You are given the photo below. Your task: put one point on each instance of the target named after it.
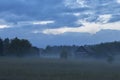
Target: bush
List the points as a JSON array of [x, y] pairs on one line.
[[110, 59], [64, 54]]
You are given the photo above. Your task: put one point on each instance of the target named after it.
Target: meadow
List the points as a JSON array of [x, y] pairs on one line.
[[57, 69]]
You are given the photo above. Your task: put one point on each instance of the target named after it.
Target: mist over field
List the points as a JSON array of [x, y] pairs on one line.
[[59, 40], [20, 60], [57, 69]]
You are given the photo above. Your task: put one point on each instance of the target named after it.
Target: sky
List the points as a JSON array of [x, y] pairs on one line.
[[61, 22]]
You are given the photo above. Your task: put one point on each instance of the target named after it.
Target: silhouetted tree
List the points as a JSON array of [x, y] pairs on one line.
[[20, 47], [6, 44], [34, 51], [17, 47], [1, 47], [110, 59]]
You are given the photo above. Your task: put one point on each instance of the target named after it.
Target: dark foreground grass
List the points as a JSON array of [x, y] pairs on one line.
[[53, 69]]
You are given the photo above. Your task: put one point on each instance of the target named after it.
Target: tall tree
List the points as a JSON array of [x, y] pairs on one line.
[[1, 47], [20, 47], [6, 44]]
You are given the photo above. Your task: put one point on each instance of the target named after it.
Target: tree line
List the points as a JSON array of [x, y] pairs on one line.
[[17, 47], [22, 47], [103, 50]]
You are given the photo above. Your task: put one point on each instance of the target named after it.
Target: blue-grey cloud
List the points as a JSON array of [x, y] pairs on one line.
[[19, 16]]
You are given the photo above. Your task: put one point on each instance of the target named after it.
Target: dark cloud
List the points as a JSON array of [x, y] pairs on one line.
[[36, 9], [16, 11], [22, 10]]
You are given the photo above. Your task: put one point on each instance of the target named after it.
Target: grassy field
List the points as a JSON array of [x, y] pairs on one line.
[[55, 69]]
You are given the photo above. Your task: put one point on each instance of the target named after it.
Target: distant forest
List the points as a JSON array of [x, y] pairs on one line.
[[103, 50], [22, 47]]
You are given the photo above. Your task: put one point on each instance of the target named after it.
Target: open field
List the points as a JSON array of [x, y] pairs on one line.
[[55, 69]]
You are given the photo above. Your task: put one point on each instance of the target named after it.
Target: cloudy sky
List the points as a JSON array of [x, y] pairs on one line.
[[61, 22]]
